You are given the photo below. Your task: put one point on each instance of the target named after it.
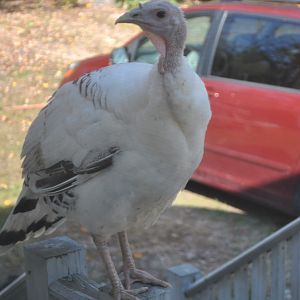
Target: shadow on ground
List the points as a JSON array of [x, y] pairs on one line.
[[250, 208]]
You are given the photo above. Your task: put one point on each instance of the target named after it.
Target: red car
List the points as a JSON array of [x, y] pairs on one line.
[[248, 55]]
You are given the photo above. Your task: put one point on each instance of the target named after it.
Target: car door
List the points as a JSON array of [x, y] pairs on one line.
[[253, 82]]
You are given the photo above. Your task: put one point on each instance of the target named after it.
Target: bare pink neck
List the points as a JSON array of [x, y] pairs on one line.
[[174, 45], [170, 62], [170, 49]]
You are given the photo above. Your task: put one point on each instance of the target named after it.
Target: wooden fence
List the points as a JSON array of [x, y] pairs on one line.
[[56, 270], [270, 270]]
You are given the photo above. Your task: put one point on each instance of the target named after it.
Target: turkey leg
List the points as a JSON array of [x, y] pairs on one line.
[[118, 291], [131, 273]]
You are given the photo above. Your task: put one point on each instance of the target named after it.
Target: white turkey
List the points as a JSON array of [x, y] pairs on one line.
[[112, 149]]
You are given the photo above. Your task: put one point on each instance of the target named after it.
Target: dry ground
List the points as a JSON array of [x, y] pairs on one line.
[[36, 46]]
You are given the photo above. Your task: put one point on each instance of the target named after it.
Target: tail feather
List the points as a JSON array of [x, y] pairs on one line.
[[30, 218]]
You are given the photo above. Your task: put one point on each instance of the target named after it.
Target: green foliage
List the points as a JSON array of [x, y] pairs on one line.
[[128, 4], [67, 3]]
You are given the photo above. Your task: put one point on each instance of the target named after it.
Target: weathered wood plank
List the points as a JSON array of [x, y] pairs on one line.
[[259, 278], [81, 284], [49, 260], [56, 271], [154, 292], [207, 294], [278, 280], [15, 290], [232, 266], [181, 277], [79, 287], [295, 272], [59, 291], [224, 289], [241, 288]]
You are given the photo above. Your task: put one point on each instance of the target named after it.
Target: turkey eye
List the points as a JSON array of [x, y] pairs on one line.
[[161, 14]]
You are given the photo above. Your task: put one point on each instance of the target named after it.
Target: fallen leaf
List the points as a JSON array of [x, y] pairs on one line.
[[3, 186], [138, 254], [7, 202], [3, 118]]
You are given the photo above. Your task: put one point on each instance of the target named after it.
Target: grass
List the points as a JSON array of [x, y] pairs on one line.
[[14, 125], [189, 199], [21, 88], [8, 194]]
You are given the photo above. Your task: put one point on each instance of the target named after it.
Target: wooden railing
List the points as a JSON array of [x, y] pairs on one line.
[[268, 271], [55, 269]]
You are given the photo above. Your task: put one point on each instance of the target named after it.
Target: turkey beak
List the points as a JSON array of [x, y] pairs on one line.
[[133, 16]]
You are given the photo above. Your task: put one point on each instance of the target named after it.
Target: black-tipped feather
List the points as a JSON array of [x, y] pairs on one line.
[[12, 237], [64, 175], [25, 205]]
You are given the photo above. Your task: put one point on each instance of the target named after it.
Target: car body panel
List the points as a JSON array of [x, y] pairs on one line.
[[86, 66], [290, 11], [248, 145]]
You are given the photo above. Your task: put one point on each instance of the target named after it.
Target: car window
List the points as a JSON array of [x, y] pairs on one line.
[[146, 52], [259, 49], [197, 29]]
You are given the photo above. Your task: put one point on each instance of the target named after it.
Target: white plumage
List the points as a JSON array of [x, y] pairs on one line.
[[111, 150]]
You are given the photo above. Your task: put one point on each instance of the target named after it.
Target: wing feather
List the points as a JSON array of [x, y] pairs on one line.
[[90, 114], [64, 175]]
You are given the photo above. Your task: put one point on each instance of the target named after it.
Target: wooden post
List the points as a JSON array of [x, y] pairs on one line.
[[49, 260], [56, 270], [180, 278]]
